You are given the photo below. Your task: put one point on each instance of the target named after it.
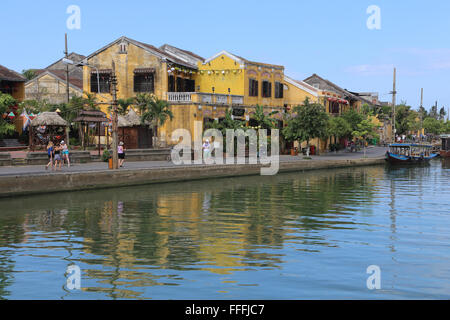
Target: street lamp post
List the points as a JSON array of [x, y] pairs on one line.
[[115, 157]]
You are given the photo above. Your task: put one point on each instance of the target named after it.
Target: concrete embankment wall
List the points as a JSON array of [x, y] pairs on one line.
[[14, 185]]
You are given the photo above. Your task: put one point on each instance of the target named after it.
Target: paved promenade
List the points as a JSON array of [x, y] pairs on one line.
[[371, 153]]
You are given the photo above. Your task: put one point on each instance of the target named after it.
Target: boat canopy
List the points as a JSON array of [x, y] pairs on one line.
[[408, 145]]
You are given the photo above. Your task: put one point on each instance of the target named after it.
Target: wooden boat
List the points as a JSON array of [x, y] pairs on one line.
[[445, 148], [409, 153]]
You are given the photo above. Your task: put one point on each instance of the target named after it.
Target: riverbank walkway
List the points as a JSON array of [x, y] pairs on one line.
[[371, 153]]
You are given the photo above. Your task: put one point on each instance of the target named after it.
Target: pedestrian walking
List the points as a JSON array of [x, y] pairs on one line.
[[65, 153], [206, 149], [50, 153], [121, 153], [58, 159]]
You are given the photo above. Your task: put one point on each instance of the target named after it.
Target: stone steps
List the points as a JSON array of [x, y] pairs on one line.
[[5, 159], [19, 162], [10, 143], [42, 158]]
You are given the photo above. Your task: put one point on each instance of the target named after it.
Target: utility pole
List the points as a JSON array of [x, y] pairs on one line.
[[421, 107], [394, 92], [66, 52], [115, 157]]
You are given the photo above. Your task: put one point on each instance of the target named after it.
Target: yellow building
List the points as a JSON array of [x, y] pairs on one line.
[[12, 83], [296, 91], [228, 74], [166, 72], [196, 89]]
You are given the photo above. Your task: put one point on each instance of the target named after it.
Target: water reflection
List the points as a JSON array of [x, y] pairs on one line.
[[128, 240]]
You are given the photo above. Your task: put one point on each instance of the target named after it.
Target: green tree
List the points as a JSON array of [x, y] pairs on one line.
[[353, 118], [6, 101], [90, 101], [434, 112], [442, 113], [422, 112], [29, 74], [338, 128], [413, 121], [154, 111], [122, 105], [310, 122], [264, 121], [402, 114], [432, 125], [366, 130], [34, 106], [446, 127]]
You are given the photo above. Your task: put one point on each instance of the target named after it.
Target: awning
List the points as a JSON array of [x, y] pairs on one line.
[[101, 71], [144, 70]]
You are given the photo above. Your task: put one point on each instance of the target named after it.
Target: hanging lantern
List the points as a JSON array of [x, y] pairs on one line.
[[4, 115], [11, 115]]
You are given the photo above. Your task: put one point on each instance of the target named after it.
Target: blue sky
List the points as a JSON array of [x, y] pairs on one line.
[[329, 38]]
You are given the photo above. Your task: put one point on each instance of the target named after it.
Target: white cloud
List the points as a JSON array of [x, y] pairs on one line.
[[371, 69]]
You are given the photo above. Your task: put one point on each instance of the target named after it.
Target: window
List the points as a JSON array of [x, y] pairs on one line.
[[105, 82], [238, 112], [266, 89], [334, 107], [253, 88], [278, 90], [144, 82], [123, 48], [180, 85], [171, 84], [189, 85]]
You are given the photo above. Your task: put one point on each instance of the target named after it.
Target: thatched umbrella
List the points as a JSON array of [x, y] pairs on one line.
[[133, 118], [49, 119], [122, 122], [46, 127]]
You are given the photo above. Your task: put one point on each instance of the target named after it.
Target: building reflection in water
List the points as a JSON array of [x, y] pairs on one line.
[[128, 239]]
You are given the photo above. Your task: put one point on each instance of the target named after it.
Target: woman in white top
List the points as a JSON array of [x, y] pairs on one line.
[[121, 153], [206, 149]]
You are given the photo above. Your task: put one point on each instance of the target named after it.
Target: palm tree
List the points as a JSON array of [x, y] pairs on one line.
[[153, 111], [90, 101], [141, 102], [122, 105], [264, 121]]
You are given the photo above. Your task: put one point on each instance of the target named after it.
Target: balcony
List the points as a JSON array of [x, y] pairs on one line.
[[204, 98]]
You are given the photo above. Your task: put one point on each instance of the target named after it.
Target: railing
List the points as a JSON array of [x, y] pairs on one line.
[[179, 96], [206, 98]]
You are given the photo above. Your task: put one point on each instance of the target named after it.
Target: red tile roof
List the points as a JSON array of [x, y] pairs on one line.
[[11, 75]]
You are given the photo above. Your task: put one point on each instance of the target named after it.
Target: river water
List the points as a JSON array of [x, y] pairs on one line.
[[305, 235]]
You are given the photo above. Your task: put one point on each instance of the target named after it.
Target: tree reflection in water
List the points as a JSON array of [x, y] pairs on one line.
[[128, 239]]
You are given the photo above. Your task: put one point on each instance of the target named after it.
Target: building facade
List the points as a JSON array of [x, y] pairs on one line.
[[12, 83], [50, 84], [197, 90]]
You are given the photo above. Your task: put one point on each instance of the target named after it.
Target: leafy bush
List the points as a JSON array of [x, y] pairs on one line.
[[74, 142], [106, 155]]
